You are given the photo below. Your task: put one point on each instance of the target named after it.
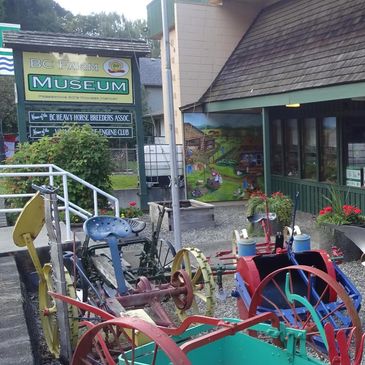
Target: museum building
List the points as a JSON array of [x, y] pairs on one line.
[[300, 66]]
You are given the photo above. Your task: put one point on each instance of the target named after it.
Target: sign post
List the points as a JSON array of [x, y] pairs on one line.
[[168, 99]]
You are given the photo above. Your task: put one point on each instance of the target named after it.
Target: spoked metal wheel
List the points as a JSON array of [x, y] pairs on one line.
[[165, 254], [195, 264], [48, 311], [328, 303], [116, 341]]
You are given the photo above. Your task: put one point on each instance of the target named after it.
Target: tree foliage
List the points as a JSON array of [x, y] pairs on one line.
[[7, 104], [41, 15], [78, 150], [49, 16]]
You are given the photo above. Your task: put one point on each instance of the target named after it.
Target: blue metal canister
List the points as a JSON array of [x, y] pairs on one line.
[[246, 247], [302, 242]]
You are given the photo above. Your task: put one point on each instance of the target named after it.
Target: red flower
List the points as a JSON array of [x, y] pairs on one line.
[[357, 211], [321, 212], [259, 194], [277, 193], [132, 204], [328, 209]]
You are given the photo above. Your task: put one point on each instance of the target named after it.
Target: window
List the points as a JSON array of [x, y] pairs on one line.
[[328, 150], [277, 159], [354, 151], [291, 147], [309, 143]]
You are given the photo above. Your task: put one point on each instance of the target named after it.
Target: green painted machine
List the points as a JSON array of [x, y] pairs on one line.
[[230, 349]]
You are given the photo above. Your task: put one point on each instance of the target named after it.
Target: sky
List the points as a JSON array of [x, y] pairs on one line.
[[132, 9]]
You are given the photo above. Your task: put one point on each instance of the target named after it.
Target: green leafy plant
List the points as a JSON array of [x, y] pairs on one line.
[[78, 150], [337, 212], [132, 211], [277, 203]]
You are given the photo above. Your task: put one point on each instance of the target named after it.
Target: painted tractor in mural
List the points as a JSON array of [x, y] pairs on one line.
[[223, 156]]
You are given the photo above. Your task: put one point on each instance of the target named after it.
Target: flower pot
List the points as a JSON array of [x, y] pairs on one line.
[[345, 237]]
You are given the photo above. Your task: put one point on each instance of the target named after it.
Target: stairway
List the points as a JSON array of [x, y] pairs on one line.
[[3, 222]]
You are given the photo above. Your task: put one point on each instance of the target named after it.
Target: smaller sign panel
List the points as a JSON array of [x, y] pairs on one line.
[[57, 117], [6, 54], [6, 62], [39, 131]]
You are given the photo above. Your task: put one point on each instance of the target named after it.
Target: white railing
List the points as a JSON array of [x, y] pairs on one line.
[[68, 207]]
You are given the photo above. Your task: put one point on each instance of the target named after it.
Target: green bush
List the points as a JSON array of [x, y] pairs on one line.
[[337, 212], [277, 203], [78, 150]]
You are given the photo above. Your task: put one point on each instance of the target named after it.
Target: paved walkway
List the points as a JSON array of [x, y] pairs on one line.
[[15, 346], [15, 343], [7, 245]]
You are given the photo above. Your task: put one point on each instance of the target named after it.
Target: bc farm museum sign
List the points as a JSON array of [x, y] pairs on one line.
[[68, 77]]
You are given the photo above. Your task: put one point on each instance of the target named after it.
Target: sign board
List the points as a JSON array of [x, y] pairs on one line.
[[56, 117], [39, 131], [75, 78], [354, 183], [354, 173], [6, 54]]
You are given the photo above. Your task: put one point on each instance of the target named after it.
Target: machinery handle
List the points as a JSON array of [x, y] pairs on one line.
[[45, 189]]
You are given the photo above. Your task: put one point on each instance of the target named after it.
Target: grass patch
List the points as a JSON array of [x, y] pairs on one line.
[[120, 182], [224, 193], [2, 189]]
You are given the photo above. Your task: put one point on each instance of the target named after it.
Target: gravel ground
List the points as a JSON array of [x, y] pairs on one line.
[[218, 237]]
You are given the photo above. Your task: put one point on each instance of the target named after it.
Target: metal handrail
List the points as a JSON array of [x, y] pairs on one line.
[[54, 170]]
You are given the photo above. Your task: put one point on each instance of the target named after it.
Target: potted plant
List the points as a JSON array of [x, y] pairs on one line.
[[277, 203], [132, 211], [341, 223]]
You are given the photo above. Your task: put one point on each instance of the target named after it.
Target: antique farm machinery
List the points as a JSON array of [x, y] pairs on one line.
[[265, 276], [200, 340], [98, 274]]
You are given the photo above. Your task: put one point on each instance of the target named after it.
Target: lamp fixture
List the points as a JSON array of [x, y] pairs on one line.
[[294, 105]]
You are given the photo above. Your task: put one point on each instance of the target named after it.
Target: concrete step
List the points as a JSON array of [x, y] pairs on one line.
[[15, 345], [3, 222]]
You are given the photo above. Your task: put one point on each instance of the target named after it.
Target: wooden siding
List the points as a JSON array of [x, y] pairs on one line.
[[311, 194]]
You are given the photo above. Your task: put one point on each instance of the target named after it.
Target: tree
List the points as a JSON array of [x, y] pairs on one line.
[[7, 105], [110, 25], [41, 15]]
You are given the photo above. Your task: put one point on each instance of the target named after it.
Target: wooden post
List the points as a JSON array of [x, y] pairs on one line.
[[266, 140]]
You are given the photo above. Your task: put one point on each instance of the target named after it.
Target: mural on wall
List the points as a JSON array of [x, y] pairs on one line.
[[223, 155]]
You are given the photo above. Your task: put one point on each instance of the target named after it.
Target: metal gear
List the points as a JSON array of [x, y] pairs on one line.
[[48, 311], [194, 262]]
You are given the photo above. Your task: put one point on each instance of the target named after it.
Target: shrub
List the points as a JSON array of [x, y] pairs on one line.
[[78, 150], [339, 213], [277, 203]]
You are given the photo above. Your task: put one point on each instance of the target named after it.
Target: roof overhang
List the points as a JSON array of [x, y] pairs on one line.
[[73, 43], [316, 95]]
